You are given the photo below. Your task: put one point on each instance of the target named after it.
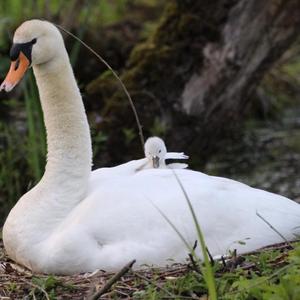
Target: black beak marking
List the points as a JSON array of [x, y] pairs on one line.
[[25, 48], [155, 160], [17, 64]]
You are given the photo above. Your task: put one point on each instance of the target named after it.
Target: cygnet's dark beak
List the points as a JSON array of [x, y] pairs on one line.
[[155, 160]]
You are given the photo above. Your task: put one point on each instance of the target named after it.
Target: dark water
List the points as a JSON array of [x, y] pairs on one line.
[[267, 156]]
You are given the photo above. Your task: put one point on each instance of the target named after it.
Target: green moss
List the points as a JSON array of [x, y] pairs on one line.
[[293, 69], [293, 141]]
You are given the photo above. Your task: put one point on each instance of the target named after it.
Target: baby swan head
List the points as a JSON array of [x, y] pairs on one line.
[[155, 151], [35, 42]]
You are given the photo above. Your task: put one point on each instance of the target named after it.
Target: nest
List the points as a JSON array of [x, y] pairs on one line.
[[16, 282]]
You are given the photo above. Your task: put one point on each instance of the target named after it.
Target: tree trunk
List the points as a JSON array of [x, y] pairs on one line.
[[192, 79]]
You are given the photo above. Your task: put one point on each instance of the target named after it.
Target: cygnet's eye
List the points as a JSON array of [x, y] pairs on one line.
[[159, 151]]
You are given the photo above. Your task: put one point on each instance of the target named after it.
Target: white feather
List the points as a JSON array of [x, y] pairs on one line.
[[176, 155]]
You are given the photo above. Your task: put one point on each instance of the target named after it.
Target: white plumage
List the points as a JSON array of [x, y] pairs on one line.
[[156, 155], [76, 220]]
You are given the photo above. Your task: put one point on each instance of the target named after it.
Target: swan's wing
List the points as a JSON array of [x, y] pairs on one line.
[[142, 164], [226, 209], [101, 175], [176, 155], [124, 217], [177, 166]]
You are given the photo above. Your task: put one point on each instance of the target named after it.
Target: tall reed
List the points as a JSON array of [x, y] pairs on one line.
[[10, 177], [36, 142]]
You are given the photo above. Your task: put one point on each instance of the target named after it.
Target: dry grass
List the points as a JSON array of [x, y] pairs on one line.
[[16, 282]]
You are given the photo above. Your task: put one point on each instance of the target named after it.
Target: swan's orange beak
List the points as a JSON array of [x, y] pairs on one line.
[[16, 72]]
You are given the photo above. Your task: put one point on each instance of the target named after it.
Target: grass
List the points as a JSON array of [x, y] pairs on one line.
[[207, 269], [10, 178], [36, 142], [271, 273]]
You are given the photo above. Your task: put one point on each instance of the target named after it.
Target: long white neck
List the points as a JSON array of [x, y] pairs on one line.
[[68, 138], [39, 212], [68, 167]]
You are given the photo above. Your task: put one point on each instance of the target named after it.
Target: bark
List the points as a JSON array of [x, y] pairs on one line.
[[193, 78]]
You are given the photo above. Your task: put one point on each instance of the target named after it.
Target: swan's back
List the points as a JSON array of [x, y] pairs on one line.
[[121, 220], [226, 209]]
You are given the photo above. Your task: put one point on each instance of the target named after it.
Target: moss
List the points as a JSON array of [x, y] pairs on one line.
[[157, 70], [105, 84], [293, 142]]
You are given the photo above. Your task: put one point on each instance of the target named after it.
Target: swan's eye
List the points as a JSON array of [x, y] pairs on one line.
[[33, 41]]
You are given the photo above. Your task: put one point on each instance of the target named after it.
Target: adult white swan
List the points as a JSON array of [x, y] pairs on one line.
[[74, 221]]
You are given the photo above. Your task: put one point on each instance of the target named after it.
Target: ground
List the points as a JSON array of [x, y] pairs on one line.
[[258, 275]]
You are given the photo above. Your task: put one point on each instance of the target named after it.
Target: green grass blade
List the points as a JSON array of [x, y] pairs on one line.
[[208, 273], [36, 133]]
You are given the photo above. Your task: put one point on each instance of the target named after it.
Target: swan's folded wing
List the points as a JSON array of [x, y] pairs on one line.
[[126, 169], [176, 155], [177, 166], [141, 164]]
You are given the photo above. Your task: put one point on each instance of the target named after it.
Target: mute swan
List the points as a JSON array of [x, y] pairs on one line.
[[72, 221], [156, 152]]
